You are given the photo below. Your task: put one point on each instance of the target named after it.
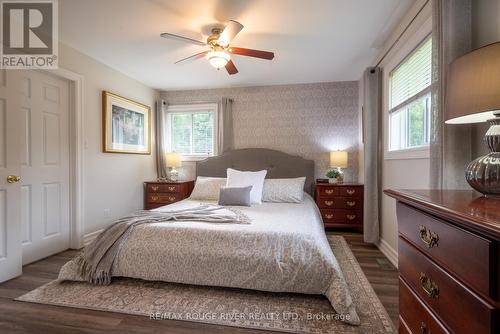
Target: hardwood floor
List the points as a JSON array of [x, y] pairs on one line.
[[20, 317]]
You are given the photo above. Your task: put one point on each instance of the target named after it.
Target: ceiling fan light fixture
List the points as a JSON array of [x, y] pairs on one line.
[[218, 59]]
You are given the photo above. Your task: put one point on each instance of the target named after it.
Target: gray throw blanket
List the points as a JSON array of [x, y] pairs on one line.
[[96, 260]]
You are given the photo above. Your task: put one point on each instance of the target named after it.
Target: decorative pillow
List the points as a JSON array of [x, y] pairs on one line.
[[235, 196], [207, 188], [284, 190], [236, 178]]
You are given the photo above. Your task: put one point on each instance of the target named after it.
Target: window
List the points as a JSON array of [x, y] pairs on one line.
[[190, 130], [410, 100]]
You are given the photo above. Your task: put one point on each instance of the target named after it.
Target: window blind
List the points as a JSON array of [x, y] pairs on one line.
[[412, 77]]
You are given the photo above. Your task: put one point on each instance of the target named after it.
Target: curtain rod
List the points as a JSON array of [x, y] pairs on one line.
[[399, 37]]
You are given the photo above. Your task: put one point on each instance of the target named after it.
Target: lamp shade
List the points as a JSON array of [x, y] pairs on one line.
[[173, 160], [473, 87], [338, 159]]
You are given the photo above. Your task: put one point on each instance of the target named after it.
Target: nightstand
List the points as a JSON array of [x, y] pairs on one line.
[[158, 194], [341, 205]]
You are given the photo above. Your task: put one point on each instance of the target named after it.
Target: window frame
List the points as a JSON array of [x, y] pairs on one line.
[[413, 42], [191, 108]]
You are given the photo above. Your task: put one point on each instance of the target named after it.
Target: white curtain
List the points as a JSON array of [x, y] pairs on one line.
[[161, 168], [450, 147], [372, 107], [225, 128]]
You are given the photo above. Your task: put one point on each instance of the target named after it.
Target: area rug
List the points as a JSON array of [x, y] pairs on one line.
[[295, 313]]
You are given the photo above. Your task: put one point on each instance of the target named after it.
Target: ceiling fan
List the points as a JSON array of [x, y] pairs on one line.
[[219, 54]]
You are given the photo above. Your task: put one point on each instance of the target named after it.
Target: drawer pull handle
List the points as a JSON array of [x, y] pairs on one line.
[[155, 188], [171, 188], [351, 203], [328, 216], [171, 198], [329, 203], [429, 287], [423, 328], [329, 191], [351, 217], [428, 237], [154, 198], [351, 191]]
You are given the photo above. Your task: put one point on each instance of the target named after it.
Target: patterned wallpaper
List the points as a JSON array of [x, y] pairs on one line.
[[308, 120]]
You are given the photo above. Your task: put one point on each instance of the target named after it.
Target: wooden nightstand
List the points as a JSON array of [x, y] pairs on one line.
[[341, 205], [158, 194]]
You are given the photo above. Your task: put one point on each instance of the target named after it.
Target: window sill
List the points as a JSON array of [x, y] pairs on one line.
[[408, 154], [195, 157]]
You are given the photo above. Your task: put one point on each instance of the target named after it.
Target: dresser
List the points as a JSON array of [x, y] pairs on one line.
[[158, 194], [341, 205], [449, 261]]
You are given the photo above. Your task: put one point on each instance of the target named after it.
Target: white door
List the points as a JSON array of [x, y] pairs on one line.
[[44, 160], [10, 205]]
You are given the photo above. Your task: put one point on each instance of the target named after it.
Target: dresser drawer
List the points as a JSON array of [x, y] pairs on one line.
[[452, 302], [327, 191], [340, 216], [415, 314], [164, 198], [340, 203], [460, 251], [163, 188], [351, 191]]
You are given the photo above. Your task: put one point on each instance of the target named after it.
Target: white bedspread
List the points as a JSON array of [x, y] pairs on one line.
[[283, 249]]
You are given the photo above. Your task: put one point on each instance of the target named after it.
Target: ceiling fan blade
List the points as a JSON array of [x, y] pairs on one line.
[[231, 69], [193, 57], [182, 38], [230, 31], [252, 53]]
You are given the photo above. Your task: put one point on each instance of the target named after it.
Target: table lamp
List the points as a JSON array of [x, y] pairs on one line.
[[338, 160], [473, 96], [173, 161]]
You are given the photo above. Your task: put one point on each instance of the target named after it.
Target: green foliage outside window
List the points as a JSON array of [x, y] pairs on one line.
[[192, 133]]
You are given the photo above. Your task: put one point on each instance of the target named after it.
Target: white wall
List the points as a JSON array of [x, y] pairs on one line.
[[111, 181]]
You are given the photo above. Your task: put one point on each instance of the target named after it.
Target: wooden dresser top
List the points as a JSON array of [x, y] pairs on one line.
[[464, 207]]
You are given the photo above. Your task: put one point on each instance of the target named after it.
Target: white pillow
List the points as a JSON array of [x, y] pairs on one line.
[[284, 190], [207, 188], [236, 178]]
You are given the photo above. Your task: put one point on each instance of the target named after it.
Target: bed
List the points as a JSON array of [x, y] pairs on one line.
[[283, 249]]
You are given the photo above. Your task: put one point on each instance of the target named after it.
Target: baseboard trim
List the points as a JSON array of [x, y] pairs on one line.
[[88, 238], [388, 251]]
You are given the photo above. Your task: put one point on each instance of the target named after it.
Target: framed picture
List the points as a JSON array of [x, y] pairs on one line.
[[126, 125]]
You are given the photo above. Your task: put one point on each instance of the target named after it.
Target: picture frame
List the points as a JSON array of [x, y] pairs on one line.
[[126, 125]]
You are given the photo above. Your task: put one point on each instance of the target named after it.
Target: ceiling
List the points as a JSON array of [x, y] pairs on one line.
[[313, 40]]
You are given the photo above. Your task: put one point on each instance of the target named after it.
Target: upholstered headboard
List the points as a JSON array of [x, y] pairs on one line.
[[278, 164]]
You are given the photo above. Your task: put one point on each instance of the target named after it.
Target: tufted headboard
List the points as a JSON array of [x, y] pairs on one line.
[[278, 164]]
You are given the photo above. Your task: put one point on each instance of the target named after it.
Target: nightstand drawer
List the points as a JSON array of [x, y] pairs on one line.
[[327, 191], [162, 198], [328, 203], [340, 203], [351, 191], [340, 216], [163, 188], [158, 194]]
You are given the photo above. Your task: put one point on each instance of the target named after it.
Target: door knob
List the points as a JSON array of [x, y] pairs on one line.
[[13, 178]]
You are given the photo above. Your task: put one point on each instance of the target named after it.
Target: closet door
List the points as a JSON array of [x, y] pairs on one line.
[[10, 186]]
